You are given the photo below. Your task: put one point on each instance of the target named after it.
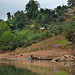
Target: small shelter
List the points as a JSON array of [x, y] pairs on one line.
[[70, 10], [43, 29]]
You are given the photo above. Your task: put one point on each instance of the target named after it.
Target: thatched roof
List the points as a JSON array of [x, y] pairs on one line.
[[70, 10], [42, 28]]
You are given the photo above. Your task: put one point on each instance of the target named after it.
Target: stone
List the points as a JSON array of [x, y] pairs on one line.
[[67, 56]]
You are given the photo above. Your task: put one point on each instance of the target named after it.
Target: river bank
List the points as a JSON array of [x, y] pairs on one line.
[[61, 55]]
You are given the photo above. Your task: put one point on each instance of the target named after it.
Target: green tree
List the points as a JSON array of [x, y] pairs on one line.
[[4, 27], [20, 20], [42, 19], [32, 9], [1, 20], [71, 36], [71, 2], [9, 15], [41, 10], [59, 10], [18, 13], [70, 32], [22, 38], [8, 22], [61, 19], [7, 40], [47, 11], [58, 30]]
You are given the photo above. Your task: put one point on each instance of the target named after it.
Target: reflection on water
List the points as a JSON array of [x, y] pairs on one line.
[[11, 70], [27, 67]]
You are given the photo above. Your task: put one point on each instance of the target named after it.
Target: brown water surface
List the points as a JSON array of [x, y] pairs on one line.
[[36, 67]]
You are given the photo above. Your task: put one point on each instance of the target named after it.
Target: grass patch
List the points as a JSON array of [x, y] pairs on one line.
[[63, 42], [26, 52], [60, 74], [56, 41], [42, 44], [32, 51], [13, 54], [50, 39]]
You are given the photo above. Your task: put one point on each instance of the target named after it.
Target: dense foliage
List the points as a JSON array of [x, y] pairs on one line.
[[1, 20], [17, 31], [71, 2]]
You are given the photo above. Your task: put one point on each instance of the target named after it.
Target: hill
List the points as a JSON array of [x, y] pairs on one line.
[[48, 48], [50, 32]]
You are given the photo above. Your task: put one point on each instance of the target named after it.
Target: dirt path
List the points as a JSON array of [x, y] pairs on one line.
[[42, 54]]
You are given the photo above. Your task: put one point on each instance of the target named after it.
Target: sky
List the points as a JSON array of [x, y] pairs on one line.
[[13, 6]]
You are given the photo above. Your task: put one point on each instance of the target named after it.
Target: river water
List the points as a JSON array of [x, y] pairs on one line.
[[36, 67]]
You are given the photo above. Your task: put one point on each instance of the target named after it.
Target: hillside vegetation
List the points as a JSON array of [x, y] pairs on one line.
[[58, 42], [24, 29]]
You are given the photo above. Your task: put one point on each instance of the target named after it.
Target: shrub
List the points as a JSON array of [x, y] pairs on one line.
[[61, 19], [58, 30], [70, 35], [8, 40], [74, 18]]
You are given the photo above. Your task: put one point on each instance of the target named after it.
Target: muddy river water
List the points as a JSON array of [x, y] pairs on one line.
[[36, 67]]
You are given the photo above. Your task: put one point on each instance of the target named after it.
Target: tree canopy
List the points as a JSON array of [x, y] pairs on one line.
[[8, 15], [32, 9], [24, 28], [71, 2]]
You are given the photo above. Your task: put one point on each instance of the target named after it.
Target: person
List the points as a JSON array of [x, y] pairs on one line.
[[31, 58], [31, 55], [21, 54]]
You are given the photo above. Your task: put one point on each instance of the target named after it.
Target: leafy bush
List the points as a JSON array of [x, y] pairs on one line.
[[21, 38], [4, 27], [61, 19], [58, 30], [7, 40], [70, 35], [74, 18]]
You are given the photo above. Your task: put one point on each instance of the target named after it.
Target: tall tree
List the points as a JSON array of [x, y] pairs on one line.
[[9, 15], [1, 20], [3, 28], [18, 13], [20, 21], [32, 9], [42, 10], [59, 10]]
